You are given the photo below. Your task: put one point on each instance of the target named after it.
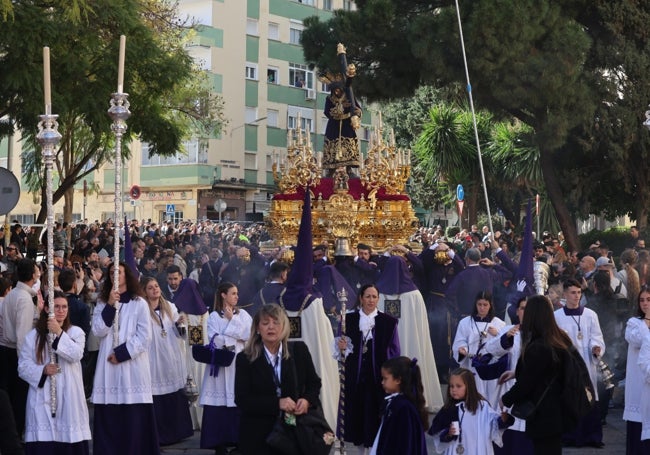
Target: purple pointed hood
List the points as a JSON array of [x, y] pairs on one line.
[[129, 258], [187, 298], [525, 270], [299, 284], [395, 277]]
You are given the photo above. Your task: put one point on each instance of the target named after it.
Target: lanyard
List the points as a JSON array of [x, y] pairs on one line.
[[276, 373], [460, 449], [482, 334]]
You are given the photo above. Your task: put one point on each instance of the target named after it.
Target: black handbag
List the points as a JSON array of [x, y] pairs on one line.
[[526, 409], [315, 437], [311, 435], [283, 439], [486, 369], [213, 356]]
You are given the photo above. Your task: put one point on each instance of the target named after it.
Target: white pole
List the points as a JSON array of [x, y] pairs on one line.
[[471, 104]]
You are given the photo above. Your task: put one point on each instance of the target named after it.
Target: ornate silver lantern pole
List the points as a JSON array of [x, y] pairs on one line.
[[48, 137], [342, 296], [119, 112]]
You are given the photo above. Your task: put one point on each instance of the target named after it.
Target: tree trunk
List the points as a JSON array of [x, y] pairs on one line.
[[641, 199], [68, 204], [557, 200], [641, 214]]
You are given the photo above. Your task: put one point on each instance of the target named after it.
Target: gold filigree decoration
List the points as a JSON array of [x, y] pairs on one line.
[[300, 167], [385, 166]]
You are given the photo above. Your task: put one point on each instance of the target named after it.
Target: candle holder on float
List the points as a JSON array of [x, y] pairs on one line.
[[300, 167], [385, 166]]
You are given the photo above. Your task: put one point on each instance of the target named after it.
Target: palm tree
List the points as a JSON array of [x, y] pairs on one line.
[[446, 151]]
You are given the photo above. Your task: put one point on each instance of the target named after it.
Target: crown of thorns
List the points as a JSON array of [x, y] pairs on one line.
[[329, 77]]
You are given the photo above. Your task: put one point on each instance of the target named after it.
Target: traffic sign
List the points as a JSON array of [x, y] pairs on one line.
[[170, 208], [460, 193], [134, 192], [220, 205]]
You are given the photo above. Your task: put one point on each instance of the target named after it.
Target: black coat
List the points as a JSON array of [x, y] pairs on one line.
[[255, 393], [539, 367], [363, 390]]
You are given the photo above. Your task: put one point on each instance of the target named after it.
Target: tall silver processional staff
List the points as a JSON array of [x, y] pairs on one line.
[[343, 298], [119, 112], [48, 137]]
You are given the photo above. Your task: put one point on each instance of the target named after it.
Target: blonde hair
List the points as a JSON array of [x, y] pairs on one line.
[[163, 305], [254, 345]]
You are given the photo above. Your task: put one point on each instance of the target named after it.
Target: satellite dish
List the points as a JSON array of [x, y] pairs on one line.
[[220, 205], [9, 191]]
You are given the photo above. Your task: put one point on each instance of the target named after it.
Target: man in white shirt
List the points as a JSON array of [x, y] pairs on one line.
[[18, 314], [583, 327]]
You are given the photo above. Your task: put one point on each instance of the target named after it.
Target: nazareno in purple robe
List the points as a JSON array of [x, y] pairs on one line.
[[401, 429], [363, 391]]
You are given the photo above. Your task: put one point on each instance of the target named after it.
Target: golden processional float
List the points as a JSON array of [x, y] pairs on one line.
[[363, 200], [371, 207]]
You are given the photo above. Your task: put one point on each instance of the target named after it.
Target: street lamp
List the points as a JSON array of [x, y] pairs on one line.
[[241, 126], [244, 124]]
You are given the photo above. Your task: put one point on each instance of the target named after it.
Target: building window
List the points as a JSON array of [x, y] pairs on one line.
[[294, 35], [24, 219], [251, 71], [367, 130], [327, 5], [251, 27], [250, 161], [305, 123], [272, 76], [272, 117], [274, 31], [300, 76], [347, 5], [306, 117], [196, 152], [307, 2], [250, 115], [175, 218]]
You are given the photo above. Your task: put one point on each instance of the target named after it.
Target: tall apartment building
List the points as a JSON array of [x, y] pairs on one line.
[[251, 50]]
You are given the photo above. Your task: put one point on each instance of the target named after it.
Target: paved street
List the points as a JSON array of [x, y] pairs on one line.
[[614, 438]]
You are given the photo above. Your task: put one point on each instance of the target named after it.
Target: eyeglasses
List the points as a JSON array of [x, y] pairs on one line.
[[11, 248]]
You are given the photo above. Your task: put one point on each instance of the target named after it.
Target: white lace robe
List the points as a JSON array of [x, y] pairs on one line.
[[71, 423]]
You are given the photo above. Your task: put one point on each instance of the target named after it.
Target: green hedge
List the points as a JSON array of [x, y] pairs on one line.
[[615, 238]]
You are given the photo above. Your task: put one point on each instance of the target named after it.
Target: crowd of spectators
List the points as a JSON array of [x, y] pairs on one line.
[[454, 277]]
